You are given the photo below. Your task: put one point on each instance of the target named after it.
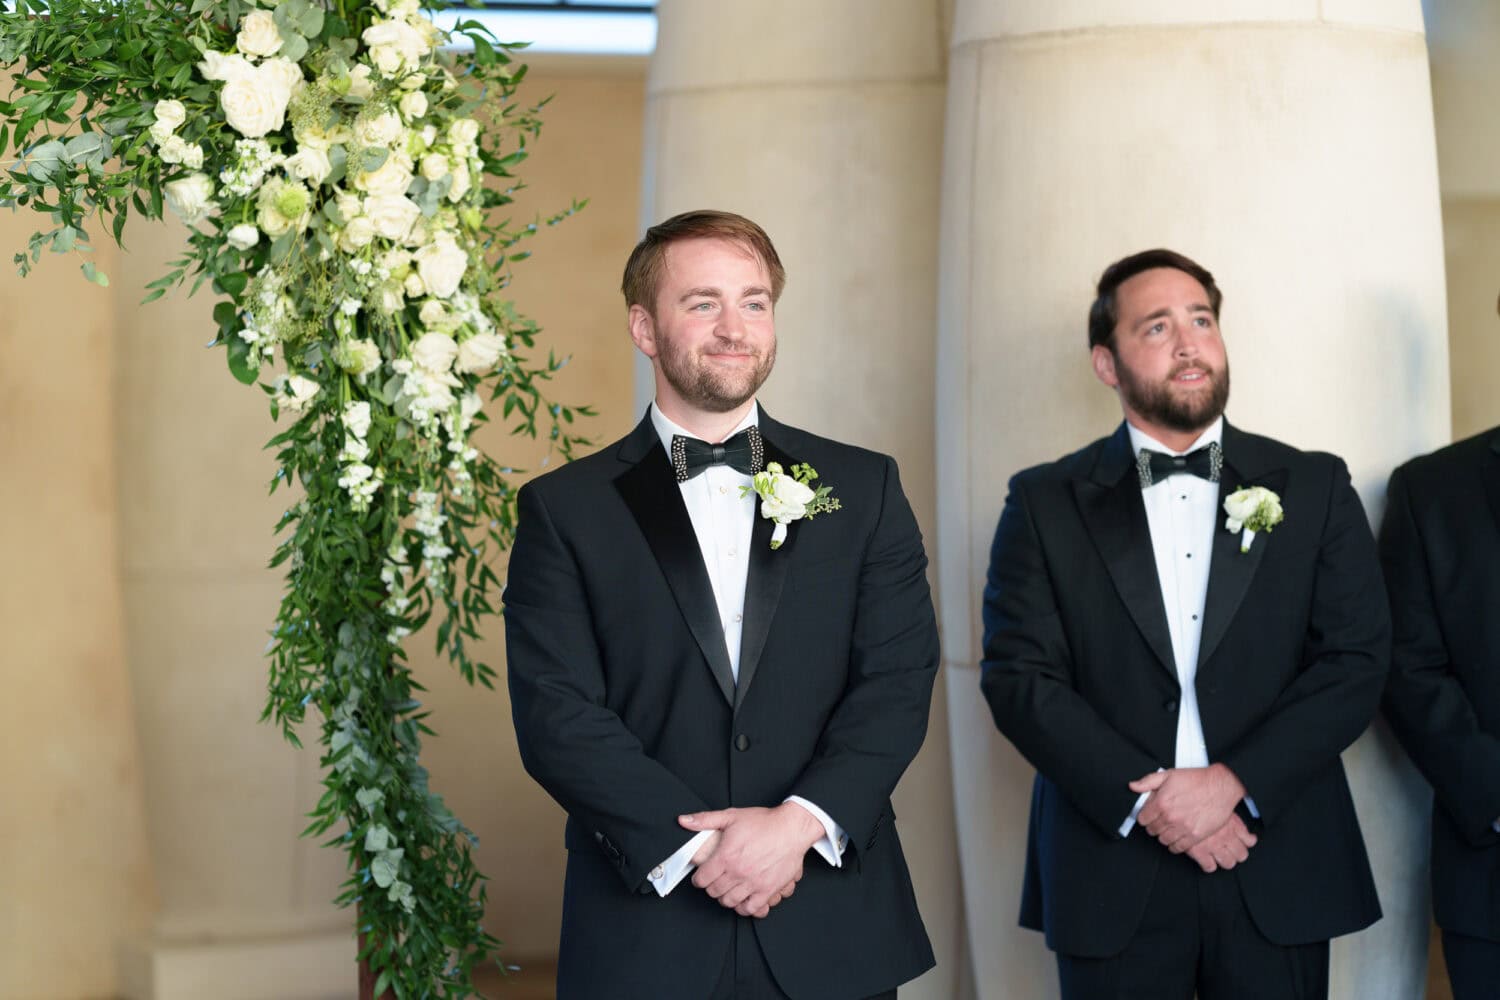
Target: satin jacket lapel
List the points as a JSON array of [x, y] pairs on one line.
[[1492, 475], [1230, 572], [653, 497], [766, 576], [1115, 516]]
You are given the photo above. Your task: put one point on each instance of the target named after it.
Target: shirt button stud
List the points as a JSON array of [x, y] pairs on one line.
[[739, 618]]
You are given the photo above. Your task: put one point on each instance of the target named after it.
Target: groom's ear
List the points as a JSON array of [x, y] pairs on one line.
[[642, 330], [1104, 365]]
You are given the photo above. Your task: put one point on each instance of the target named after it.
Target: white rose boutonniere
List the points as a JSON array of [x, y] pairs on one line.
[[786, 498], [1251, 511]]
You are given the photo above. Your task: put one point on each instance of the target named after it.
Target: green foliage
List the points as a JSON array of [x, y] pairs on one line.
[[393, 522]]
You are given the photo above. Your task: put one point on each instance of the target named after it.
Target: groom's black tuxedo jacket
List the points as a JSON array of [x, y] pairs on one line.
[[1440, 543], [627, 714], [1079, 673]]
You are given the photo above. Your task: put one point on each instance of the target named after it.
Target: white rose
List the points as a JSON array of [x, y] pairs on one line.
[[392, 215], [390, 298], [361, 87], [348, 204], [435, 166], [788, 500], [192, 156], [391, 177], [480, 353], [169, 115], [463, 132], [244, 236], [434, 313], [441, 264], [460, 186], [173, 149], [190, 197], [1242, 505], [356, 415], [394, 45], [378, 130], [434, 352], [396, 262], [258, 35], [256, 104], [295, 392], [359, 358], [310, 164], [413, 285], [284, 72], [225, 66], [429, 135], [414, 105], [356, 234]]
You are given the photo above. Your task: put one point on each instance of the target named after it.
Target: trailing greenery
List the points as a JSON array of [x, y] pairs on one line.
[[340, 175]]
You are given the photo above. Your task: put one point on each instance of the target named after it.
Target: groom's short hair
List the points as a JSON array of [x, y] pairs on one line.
[[1104, 313], [643, 272]]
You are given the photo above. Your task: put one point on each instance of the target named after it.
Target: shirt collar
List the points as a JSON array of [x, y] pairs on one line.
[[1140, 439], [665, 428]]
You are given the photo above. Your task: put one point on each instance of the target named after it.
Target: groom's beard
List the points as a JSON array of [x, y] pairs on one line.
[[1168, 405], [708, 388]]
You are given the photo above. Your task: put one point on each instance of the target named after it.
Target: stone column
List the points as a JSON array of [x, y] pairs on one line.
[[1287, 145], [245, 905], [1462, 38], [822, 122]]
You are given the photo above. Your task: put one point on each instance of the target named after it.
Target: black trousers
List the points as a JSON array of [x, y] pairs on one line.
[[1473, 966], [1197, 937], [746, 975]]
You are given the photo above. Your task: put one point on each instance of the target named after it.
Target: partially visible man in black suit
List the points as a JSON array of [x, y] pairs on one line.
[[1440, 544], [715, 685], [1184, 682]]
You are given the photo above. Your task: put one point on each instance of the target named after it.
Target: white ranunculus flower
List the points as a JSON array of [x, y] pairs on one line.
[[225, 66], [191, 197], [170, 114], [434, 352], [378, 130], [463, 132], [441, 264], [294, 392], [244, 236], [392, 215], [435, 166], [788, 500], [255, 104], [310, 164], [413, 105], [356, 415], [391, 177], [258, 35], [480, 353], [357, 233]]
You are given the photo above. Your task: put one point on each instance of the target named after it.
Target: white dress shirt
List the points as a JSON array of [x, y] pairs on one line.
[[1182, 512], [723, 520]]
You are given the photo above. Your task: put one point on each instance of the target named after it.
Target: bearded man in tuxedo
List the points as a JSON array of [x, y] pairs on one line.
[[1440, 544], [1184, 690], [722, 703]]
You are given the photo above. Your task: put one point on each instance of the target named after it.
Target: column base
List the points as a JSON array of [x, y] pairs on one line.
[[317, 966]]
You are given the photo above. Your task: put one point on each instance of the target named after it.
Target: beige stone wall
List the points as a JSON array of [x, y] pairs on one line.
[[136, 600]]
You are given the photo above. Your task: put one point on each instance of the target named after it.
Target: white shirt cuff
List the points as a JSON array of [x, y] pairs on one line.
[[1250, 804], [1129, 823], [665, 876], [831, 845]]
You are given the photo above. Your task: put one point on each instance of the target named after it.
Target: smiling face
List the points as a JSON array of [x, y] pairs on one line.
[[1167, 359], [712, 333]]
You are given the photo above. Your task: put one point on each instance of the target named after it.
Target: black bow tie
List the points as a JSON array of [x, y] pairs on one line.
[[744, 453], [1155, 467]]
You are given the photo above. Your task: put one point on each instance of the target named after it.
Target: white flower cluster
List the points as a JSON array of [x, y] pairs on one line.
[[360, 480], [428, 519], [396, 575]]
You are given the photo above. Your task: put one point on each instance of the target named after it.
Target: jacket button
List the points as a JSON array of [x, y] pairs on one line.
[[1170, 704], [742, 742]]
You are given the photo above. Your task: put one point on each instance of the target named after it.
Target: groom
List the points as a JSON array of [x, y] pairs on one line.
[[1184, 690], [723, 722]]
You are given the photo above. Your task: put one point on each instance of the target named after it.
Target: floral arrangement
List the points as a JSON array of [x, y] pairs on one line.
[[337, 170], [785, 498]]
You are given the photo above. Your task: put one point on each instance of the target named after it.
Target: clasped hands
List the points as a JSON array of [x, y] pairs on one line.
[[1191, 810], [753, 858]]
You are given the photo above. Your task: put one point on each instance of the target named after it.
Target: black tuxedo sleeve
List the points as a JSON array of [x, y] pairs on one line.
[[571, 743], [878, 725], [1027, 678], [1424, 700], [1344, 663]]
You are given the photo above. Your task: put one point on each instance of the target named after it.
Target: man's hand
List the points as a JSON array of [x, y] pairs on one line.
[[1187, 803], [754, 860], [1225, 847]]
